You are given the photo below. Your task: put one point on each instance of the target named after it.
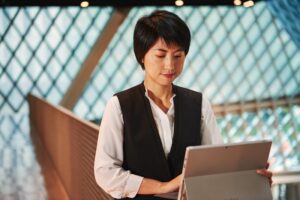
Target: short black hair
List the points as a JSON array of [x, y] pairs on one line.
[[159, 24]]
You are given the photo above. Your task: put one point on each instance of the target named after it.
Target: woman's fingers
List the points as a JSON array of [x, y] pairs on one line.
[[266, 173]]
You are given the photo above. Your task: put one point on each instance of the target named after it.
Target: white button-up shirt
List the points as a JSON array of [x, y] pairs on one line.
[[110, 175]]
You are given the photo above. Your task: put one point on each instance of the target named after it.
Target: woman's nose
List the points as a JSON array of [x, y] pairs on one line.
[[170, 65]]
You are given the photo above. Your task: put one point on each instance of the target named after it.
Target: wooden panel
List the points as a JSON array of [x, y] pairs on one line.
[[53, 183], [70, 144]]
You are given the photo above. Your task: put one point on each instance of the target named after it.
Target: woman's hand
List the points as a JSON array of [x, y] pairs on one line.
[[151, 186], [265, 172], [172, 185]]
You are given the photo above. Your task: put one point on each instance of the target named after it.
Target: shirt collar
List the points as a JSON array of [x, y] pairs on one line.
[[171, 109]]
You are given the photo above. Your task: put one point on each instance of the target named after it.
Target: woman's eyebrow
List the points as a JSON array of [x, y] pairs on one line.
[[161, 50], [164, 50]]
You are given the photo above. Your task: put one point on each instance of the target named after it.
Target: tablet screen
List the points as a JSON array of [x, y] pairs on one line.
[[213, 159]]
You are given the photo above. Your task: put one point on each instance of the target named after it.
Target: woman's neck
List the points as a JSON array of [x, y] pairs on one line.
[[161, 95]]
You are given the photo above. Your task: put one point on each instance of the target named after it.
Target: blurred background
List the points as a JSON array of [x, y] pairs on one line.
[[244, 56]]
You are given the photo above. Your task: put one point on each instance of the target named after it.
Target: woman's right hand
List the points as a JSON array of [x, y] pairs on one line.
[[172, 185], [151, 186]]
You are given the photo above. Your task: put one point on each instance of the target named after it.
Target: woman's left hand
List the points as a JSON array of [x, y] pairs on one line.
[[265, 172]]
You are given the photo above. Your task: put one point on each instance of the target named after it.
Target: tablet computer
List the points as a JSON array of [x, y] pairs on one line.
[[222, 158], [226, 171]]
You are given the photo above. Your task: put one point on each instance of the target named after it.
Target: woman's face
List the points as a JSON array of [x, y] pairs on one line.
[[163, 63]]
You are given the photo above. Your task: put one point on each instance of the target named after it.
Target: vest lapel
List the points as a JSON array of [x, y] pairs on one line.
[[155, 131], [176, 121]]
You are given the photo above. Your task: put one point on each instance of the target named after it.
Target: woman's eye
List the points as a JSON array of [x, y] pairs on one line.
[[160, 56], [178, 56]]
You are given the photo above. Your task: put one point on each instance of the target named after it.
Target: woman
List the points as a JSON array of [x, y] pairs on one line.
[[146, 129]]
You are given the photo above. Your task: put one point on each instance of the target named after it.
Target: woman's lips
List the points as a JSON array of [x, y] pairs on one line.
[[169, 75]]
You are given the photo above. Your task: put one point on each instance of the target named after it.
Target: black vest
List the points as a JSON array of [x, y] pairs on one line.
[[143, 150]]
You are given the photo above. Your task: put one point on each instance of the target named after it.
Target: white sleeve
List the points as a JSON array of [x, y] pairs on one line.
[[209, 128], [109, 174]]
